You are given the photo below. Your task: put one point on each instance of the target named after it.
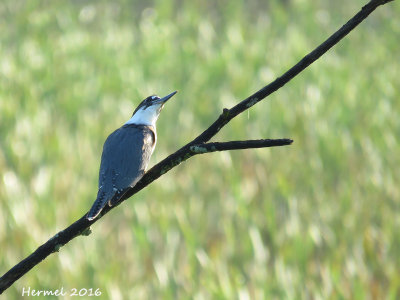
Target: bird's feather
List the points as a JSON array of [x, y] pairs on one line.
[[126, 153]]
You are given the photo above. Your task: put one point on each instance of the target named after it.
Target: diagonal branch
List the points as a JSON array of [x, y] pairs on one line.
[[82, 226]]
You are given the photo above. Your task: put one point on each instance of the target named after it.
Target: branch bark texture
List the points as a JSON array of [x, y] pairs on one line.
[[198, 145]]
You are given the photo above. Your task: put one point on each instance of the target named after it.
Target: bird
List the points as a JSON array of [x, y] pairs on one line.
[[126, 154]]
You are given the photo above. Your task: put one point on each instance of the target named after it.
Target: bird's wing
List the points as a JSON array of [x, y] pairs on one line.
[[126, 153]]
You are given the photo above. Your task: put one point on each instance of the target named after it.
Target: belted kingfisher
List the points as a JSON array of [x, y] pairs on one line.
[[126, 153]]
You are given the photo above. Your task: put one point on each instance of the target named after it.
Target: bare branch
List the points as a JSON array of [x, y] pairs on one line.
[[82, 226], [238, 145]]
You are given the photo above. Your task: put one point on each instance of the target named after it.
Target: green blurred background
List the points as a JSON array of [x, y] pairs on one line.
[[316, 220]]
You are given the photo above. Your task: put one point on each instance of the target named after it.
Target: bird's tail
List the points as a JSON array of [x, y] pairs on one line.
[[97, 206]]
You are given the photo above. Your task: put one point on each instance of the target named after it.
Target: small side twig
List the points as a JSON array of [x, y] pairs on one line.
[[239, 145]]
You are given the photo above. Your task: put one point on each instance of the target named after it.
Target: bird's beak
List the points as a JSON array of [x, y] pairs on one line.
[[166, 98]]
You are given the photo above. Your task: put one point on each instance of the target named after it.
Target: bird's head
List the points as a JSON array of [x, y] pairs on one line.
[[148, 110]]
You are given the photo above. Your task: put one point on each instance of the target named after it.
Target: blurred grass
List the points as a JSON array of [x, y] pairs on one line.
[[316, 220]]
